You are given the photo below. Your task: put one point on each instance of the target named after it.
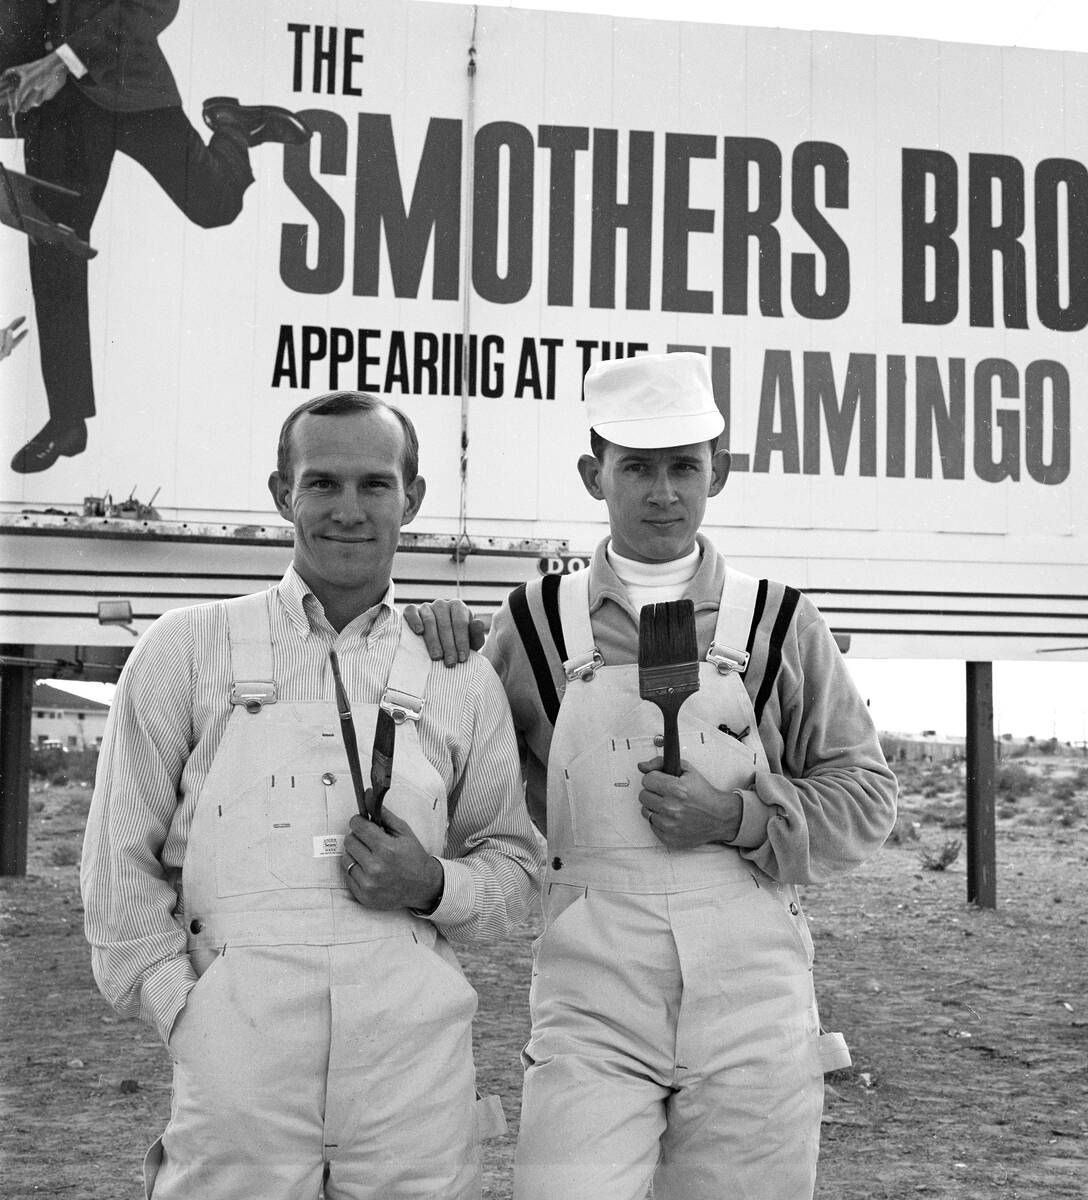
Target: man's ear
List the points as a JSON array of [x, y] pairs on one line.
[[719, 471], [281, 494], [590, 470], [413, 499]]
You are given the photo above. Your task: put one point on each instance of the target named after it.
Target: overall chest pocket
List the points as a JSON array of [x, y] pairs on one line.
[[603, 783], [278, 834]]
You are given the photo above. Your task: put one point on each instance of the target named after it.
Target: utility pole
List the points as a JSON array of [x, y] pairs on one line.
[[981, 837], [16, 698]]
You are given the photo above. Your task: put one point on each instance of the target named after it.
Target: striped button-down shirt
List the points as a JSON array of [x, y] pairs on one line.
[[168, 717]]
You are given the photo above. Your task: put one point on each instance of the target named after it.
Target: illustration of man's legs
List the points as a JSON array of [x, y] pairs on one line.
[[207, 182], [73, 145]]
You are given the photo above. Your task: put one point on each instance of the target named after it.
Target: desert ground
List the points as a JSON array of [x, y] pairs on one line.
[[968, 1026]]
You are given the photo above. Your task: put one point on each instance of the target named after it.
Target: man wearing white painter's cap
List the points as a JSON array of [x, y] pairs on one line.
[[675, 1035]]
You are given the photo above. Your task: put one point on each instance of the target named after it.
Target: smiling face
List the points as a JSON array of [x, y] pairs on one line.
[[347, 500], [656, 498]]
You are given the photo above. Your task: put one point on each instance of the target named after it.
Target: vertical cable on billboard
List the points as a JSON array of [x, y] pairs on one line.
[[463, 544]]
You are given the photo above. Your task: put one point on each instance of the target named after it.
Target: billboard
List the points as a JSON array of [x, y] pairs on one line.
[[880, 243]]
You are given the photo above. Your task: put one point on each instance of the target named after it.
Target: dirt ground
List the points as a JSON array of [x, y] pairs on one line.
[[968, 1026]]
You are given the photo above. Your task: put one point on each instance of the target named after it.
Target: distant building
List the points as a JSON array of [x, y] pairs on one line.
[[924, 747], [63, 720]]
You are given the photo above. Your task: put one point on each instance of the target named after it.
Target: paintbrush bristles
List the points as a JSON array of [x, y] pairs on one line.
[[666, 635], [668, 667]]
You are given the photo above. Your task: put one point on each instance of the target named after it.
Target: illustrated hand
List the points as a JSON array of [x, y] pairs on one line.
[[9, 339], [685, 811], [387, 866], [448, 629], [37, 82]]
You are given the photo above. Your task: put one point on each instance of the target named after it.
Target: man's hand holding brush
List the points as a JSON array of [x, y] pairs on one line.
[[387, 866], [685, 810]]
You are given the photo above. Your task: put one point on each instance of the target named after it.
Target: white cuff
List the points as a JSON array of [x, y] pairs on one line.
[[71, 60], [458, 903]]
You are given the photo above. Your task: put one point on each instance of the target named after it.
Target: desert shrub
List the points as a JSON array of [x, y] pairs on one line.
[[1064, 788], [944, 857], [65, 855], [1014, 781]]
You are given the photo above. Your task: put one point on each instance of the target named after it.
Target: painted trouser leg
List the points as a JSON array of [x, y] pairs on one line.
[[744, 1120], [250, 1053], [678, 1031], [605, 993], [590, 1130], [401, 1090], [291, 1057]]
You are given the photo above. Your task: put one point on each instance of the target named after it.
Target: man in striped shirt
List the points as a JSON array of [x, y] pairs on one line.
[[292, 954], [675, 1035]]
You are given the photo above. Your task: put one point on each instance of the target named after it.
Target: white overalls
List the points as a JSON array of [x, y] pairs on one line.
[[319, 1032], [675, 1035]]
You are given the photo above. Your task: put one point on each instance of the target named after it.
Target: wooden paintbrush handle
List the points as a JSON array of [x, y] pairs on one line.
[[671, 748]]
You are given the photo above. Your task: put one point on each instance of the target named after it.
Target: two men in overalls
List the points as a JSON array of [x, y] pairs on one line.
[[675, 1036], [291, 954]]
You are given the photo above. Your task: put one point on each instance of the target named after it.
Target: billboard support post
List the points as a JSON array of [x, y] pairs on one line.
[[16, 696], [981, 850]]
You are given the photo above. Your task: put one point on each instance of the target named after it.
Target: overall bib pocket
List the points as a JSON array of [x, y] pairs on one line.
[[603, 783]]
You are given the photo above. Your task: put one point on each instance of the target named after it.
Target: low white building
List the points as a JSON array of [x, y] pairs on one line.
[[59, 718]]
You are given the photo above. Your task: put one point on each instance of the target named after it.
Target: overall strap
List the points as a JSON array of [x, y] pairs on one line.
[[521, 609], [249, 631], [732, 645], [406, 688], [584, 659]]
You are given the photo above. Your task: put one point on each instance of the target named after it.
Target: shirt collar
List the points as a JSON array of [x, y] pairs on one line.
[[305, 613]]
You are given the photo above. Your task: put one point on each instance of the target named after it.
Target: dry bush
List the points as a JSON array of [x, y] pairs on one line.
[[1014, 781], [65, 854], [944, 857]]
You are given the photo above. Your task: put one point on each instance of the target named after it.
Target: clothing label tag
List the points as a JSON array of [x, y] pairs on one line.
[[329, 845]]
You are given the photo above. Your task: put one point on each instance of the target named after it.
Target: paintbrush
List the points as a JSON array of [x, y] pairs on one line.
[[347, 728], [381, 761], [668, 666]]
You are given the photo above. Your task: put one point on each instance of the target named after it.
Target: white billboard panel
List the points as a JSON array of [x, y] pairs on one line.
[[882, 245]]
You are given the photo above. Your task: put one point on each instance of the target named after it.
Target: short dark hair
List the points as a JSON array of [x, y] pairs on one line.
[[598, 445], [335, 404]]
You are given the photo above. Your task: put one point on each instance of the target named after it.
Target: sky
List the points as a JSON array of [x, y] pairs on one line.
[[1038, 699]]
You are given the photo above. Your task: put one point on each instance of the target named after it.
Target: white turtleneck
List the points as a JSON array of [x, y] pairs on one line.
[[653, 583]]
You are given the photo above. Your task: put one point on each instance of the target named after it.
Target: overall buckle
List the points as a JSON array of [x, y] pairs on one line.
[[401, 706], [584, 667], [253, 695], [727, 659]]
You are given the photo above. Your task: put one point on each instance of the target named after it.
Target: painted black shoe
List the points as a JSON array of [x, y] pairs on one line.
[[51, 442], [256, 122]]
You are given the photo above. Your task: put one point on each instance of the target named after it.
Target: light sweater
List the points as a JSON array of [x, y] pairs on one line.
[[828, 799]]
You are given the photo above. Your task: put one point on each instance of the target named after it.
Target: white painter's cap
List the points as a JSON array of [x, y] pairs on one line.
[[653, 400]]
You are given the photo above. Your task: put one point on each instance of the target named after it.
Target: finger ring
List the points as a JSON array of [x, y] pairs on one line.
[[353, 863], [650, 818]]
